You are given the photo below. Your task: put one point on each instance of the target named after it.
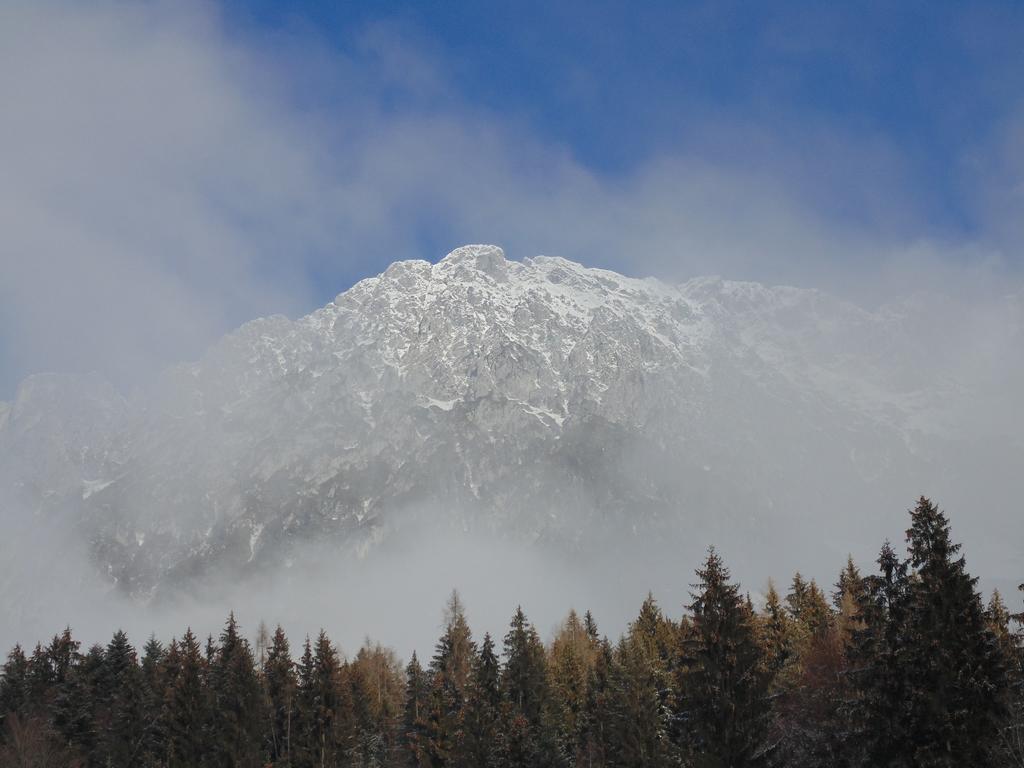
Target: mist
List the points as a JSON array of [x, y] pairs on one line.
[[168, 177]]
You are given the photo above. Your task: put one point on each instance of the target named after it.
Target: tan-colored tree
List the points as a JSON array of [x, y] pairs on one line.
[[30, 743]]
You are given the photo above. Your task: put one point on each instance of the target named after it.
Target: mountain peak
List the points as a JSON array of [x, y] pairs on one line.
[[489, 259]]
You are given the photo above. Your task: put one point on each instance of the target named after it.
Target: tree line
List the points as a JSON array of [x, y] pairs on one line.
[[903, 667]]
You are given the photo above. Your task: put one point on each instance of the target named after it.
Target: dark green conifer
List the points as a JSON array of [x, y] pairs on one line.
[[525, 736], [417, 694], [723, 680], [953, 666], [482, 707], [850, 583], [450, 674], [235, 691], [188, 712], [280, 686]]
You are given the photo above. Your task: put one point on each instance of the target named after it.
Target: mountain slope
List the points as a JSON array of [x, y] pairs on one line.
[[538, 400]]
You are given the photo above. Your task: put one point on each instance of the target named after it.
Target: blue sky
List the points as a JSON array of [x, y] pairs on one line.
[[618, 83], [173, 169]]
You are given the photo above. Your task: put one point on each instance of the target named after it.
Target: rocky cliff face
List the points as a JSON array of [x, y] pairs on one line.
[[536, 399]]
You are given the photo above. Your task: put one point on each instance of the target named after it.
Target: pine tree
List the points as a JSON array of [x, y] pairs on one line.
[[723, 681]]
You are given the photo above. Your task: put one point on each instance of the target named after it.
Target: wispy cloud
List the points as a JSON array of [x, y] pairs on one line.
[[165, 179]]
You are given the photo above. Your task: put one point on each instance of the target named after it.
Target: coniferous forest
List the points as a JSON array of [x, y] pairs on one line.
[[898, 665]]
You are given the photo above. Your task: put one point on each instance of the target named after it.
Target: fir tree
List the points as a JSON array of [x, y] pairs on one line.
[[723, 681]]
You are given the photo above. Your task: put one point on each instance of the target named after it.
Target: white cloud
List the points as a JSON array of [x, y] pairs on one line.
[[165, 180]]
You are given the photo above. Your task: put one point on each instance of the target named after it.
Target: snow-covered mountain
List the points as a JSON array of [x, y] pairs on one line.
[[539, 400]]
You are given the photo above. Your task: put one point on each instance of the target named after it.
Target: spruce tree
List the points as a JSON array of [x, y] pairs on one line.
[[482, 707], [597, 733], [850, 584], [67, 700], [953, 666], [776, 632], [525, 735], [417, 693], [154, 691], [188, 711], [875, 712], [808, 607], [639, 721], [121, 717], [319, 687], [280, 684], [1012, 733], [723, 681], [235, 690], [450, 674], [13, 686]]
